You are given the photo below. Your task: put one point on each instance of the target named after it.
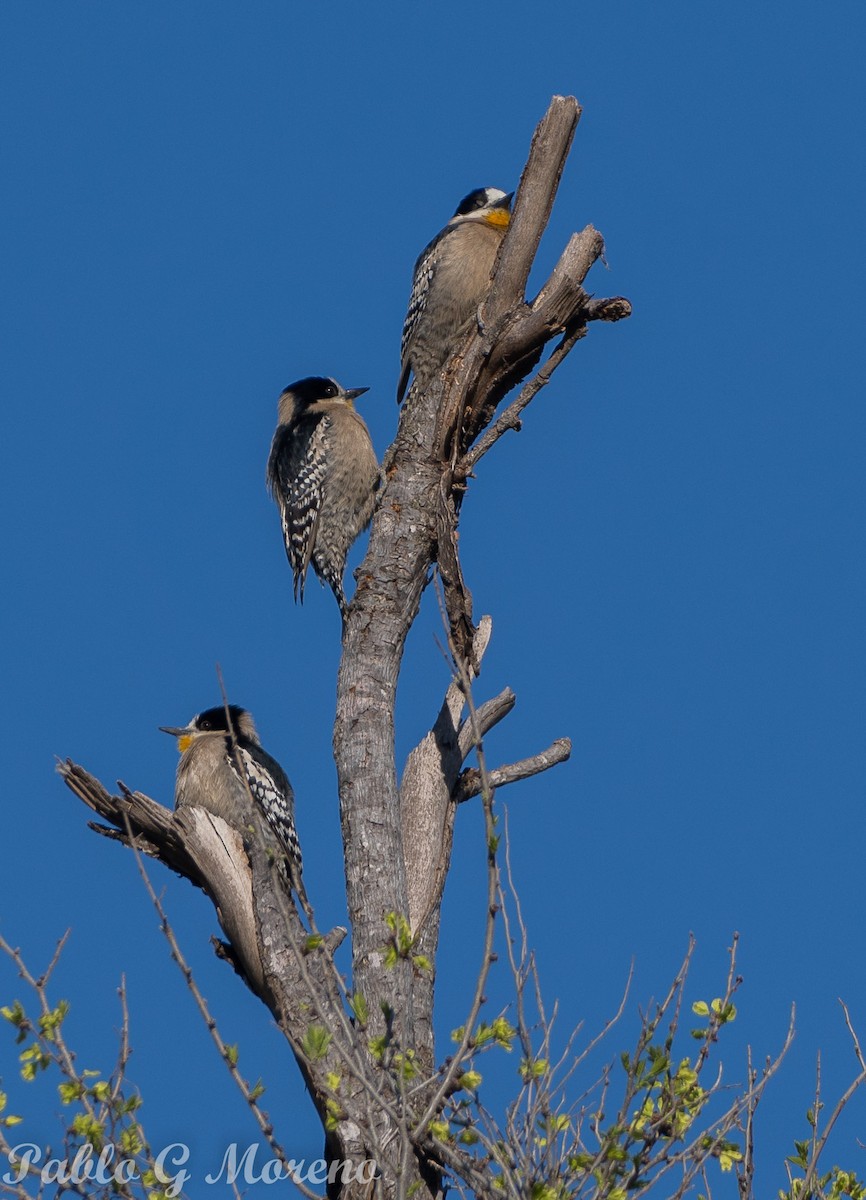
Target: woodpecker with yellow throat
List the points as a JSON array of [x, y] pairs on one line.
[[222, 764], [451, 279]]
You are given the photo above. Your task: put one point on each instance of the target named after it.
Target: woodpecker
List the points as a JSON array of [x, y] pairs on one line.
[[220, 758], [452, 277], [323, 475]]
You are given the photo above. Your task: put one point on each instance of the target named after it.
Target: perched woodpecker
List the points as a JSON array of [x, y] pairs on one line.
[[452, 277], [220, 758], [323, 475]]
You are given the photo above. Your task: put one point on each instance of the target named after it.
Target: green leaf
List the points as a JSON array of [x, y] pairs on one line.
[[725, 1012], [727, 1158], [316, 1042], [358, 1004], [89, 1128], [533, 1069], [131, 1141], [49, 1022], [69, 1092], [470, 1080], [580, 1162], [504, 1033], [402, 931], [313, 942], [231, 1055], [15, 1015], [405, 1064]]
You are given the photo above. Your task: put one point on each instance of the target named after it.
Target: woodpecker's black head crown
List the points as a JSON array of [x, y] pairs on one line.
[[483, 198], [305, 392], [313, 388], [213, 720]]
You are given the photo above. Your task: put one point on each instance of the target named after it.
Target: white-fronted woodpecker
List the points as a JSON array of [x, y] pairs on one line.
[[323, 475], [222, 764], [452, 278]]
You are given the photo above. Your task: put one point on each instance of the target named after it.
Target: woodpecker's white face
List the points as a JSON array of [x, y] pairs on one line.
[[489, 205]]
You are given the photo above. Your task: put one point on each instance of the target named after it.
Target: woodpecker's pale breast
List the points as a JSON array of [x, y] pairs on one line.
[[451, 280]]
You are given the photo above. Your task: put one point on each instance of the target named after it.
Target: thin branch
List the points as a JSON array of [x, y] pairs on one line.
[[487, 715], [471, 783], [718, 1018], [858, 1052], [123, 1051], [39, 985], [510, 417], [746, 1173], [843, 1100]]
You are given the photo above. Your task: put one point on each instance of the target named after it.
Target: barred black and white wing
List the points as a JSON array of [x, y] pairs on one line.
[[297, 469], [272, 792], [422, 280]]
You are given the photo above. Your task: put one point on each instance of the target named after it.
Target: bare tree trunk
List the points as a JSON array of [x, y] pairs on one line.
[[389, 834]]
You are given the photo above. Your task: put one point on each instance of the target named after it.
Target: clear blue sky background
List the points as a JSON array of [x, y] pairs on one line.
[[205, 201]]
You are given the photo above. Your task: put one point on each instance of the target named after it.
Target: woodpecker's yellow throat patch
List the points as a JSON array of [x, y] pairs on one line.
[[498, 217], [184, 742]]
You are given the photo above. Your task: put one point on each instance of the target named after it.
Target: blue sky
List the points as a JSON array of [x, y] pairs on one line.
[[205, 201]]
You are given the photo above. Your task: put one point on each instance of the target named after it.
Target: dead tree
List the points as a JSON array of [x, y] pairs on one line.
[[366, 1050]]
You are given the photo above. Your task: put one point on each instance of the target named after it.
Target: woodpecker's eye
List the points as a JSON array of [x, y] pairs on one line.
[[205, 724], [330, 390]]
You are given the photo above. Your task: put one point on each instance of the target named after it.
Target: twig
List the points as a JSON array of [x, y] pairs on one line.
[[821, 1141], [471, 782], [510, 417]]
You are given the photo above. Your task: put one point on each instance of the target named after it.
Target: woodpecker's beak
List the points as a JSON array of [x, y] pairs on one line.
[[183, 735], [505, 202], [352, 394]]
